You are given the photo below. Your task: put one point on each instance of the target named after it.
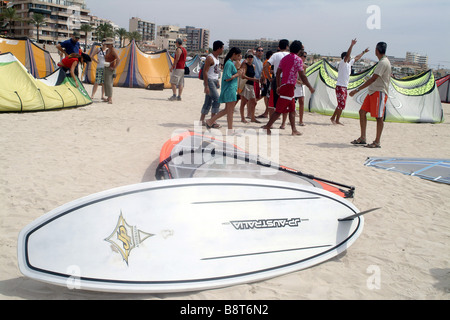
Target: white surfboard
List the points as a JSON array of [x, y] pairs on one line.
[[187, 235]]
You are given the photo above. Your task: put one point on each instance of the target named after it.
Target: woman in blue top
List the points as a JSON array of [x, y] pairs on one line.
[[228, 94]]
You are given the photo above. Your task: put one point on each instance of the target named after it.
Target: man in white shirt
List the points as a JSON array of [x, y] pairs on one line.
[[344, 69], [211, 72]]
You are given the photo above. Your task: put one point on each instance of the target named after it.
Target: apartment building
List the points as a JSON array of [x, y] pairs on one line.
[[194, 39], [166, 37], [62, 18], [145, 28], [3, 24], [197, 39], [416, 58], [169, 32], [3, 5], [245, 45]]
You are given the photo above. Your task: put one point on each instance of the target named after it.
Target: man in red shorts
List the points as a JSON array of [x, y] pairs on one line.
[[375, 102], [344, 71], [290, 67], [177, 70]]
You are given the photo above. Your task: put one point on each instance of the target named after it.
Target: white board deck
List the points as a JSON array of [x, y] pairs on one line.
[[186, 235]]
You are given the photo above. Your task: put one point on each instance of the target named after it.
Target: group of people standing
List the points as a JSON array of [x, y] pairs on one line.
[[378, 91], [107, 61], [275, 80], [283, 75], [71, 56]]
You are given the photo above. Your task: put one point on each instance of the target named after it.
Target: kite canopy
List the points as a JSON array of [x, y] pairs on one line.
[[437, 170], [194, 66], [36, 60], [443, 85], [20, 91], [136, 69], [415, 99], [194, 155]]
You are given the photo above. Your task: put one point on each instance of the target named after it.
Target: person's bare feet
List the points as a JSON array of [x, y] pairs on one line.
[[296, 133], [265, 127], [208, 124]]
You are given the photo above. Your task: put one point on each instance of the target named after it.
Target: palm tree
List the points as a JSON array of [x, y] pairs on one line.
[[86, 28], [122, 33], [105, 30], [10, 15], [136, 36], [38, 20]]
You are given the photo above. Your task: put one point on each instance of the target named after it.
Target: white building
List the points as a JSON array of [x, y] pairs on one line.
[[62, 18], [416, 58]]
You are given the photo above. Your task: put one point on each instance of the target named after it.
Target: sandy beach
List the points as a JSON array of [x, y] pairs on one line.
[[50, 158]]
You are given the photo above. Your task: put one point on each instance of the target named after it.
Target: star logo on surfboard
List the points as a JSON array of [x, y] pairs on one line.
[[125, 238]]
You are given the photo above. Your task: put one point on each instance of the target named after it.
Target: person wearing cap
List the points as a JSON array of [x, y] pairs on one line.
[[70, 46], [112, 61], [177, 69]]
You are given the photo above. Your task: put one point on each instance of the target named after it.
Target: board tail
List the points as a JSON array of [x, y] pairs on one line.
[[352, 217]]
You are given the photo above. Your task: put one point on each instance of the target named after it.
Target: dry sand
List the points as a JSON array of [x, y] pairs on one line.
[[50, 158]]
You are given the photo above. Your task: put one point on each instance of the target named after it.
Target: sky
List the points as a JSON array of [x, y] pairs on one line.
[[325, 27]]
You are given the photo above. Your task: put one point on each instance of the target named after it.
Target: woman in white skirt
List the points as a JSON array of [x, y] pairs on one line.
[[248, 93]]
